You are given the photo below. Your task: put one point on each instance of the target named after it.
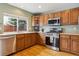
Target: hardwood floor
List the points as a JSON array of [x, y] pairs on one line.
[[39, 50]]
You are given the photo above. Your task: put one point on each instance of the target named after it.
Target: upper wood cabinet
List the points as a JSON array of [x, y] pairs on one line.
[[35, 20], [46, 19], [65, 42], [74, 13], [41, 21], [57, 14], [65, 17], [70, 16], [50, 16]]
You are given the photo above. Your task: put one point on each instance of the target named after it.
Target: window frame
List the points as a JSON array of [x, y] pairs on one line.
[[17, 18]]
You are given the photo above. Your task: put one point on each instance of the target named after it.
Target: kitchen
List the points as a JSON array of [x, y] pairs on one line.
[[56, 30]]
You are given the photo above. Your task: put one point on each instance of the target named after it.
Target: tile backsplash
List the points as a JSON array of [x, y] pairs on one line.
[[71, 28], [66, 28]]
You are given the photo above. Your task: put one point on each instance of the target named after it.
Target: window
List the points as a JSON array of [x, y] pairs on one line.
[[10, 24], [15, 24], [22, 25]]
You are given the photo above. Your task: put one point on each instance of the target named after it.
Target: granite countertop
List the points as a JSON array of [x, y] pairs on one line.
[[70, 33], [14, 33]]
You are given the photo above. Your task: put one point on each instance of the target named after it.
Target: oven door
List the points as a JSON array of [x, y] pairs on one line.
[[50, 41]]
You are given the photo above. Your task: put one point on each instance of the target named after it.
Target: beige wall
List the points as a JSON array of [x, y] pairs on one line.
[[6, 8]]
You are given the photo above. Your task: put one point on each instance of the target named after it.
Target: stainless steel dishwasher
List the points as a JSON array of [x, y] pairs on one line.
[[7, 44]]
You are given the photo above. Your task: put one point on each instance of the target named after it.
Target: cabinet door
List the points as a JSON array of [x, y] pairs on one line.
[[35, 20], [65, 42], [26, 42], [30, 39], [19, 42], [75, 44], [57, 14], [41, 20], [51, 15], [65, 17], [41, 39], [46, 19], [74, 13], [33, 38]]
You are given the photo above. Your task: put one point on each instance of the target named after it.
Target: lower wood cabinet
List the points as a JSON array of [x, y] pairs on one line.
[[65, 42], [69, 43], [25, 40], [75, 44], [41, 39], [19, 42], [30, 39], [34, 38]]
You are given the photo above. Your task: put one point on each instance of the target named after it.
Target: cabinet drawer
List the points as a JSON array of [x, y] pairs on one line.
[[20, 36], [64, 36], [75, 37]]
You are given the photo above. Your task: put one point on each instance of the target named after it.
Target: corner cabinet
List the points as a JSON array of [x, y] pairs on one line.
[[69, 43], [41, 39]]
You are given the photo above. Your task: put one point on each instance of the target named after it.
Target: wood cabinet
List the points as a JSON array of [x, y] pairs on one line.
[[33, 38], [25, 40], [35, 20], [57, 14], [19, 42], [41, 21], [69, 43], [65, 42], [65, 18], [46, 19], [30, 39], [74, 13], [41, 39], [70, 17], [75, 44], [51, 15]]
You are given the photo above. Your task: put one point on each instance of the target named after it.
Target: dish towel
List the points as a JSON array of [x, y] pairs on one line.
[[51, 39]]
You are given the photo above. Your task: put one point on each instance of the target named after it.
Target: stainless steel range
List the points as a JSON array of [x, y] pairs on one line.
[[52, 39]]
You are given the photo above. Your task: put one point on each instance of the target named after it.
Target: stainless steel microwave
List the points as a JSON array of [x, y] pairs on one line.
[[54, 21]]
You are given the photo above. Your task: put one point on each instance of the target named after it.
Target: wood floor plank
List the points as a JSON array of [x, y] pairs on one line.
[[39, 50]]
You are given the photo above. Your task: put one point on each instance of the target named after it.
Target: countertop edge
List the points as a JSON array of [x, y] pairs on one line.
[[15, 33], [70, 33]]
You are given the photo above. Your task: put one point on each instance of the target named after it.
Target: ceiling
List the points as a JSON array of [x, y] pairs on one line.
[[44, 7]]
